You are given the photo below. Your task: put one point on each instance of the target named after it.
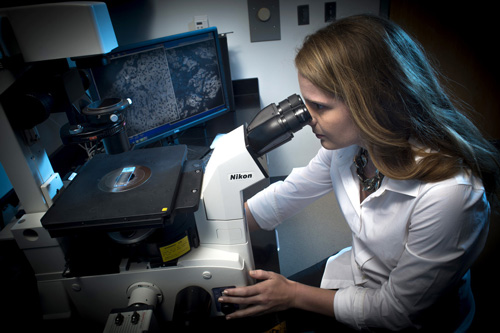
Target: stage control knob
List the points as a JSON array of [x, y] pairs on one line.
[[119, 319], [135, 318]]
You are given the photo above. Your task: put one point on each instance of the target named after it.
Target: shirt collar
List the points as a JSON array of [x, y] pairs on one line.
[[345, 156], [409, 187]]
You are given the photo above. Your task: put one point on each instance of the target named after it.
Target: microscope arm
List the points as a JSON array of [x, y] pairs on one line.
[[235, 166]]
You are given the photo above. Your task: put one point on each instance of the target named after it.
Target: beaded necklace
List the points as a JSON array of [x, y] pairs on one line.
[[360, 162]]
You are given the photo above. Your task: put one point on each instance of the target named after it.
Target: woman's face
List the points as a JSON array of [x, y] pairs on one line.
[[331, 119]]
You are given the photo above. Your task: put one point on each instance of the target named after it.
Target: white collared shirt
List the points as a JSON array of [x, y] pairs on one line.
[[410, 240]]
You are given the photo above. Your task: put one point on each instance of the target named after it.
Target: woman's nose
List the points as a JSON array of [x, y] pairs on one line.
[[312, 122]]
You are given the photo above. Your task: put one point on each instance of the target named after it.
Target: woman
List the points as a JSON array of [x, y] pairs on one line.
[[413, 178]]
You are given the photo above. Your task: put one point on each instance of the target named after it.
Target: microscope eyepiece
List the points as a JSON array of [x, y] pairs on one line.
[[275, 124]]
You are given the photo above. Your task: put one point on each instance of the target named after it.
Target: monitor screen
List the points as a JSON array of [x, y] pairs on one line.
[[174, 83]]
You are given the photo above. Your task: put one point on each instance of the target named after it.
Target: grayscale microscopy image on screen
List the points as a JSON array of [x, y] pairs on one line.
[[165, 85], [195, 78]]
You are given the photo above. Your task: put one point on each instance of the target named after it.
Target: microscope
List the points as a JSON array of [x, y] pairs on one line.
[[148, 239], [152, 235]]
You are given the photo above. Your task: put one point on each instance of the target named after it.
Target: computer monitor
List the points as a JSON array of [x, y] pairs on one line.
[[174, 83]]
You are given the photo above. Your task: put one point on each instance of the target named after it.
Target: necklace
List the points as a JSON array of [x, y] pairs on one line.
[[360, 162]]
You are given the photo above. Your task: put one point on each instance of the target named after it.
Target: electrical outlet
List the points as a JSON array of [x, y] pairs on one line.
[[201, 22], [330, 11]]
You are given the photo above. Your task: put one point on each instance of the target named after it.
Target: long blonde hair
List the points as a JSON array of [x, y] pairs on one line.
[[396, 101]]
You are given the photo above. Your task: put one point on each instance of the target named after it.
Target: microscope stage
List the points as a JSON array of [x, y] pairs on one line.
[[132, 190]]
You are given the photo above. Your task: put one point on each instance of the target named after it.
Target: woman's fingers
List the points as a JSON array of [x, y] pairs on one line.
[[273, 293], [259, 274], [248, 291]]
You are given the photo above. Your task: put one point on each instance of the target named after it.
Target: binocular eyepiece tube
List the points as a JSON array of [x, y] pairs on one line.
[[275, 124]]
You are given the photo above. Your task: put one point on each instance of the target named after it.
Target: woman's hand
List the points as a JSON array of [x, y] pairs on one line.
[[274, 293]]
